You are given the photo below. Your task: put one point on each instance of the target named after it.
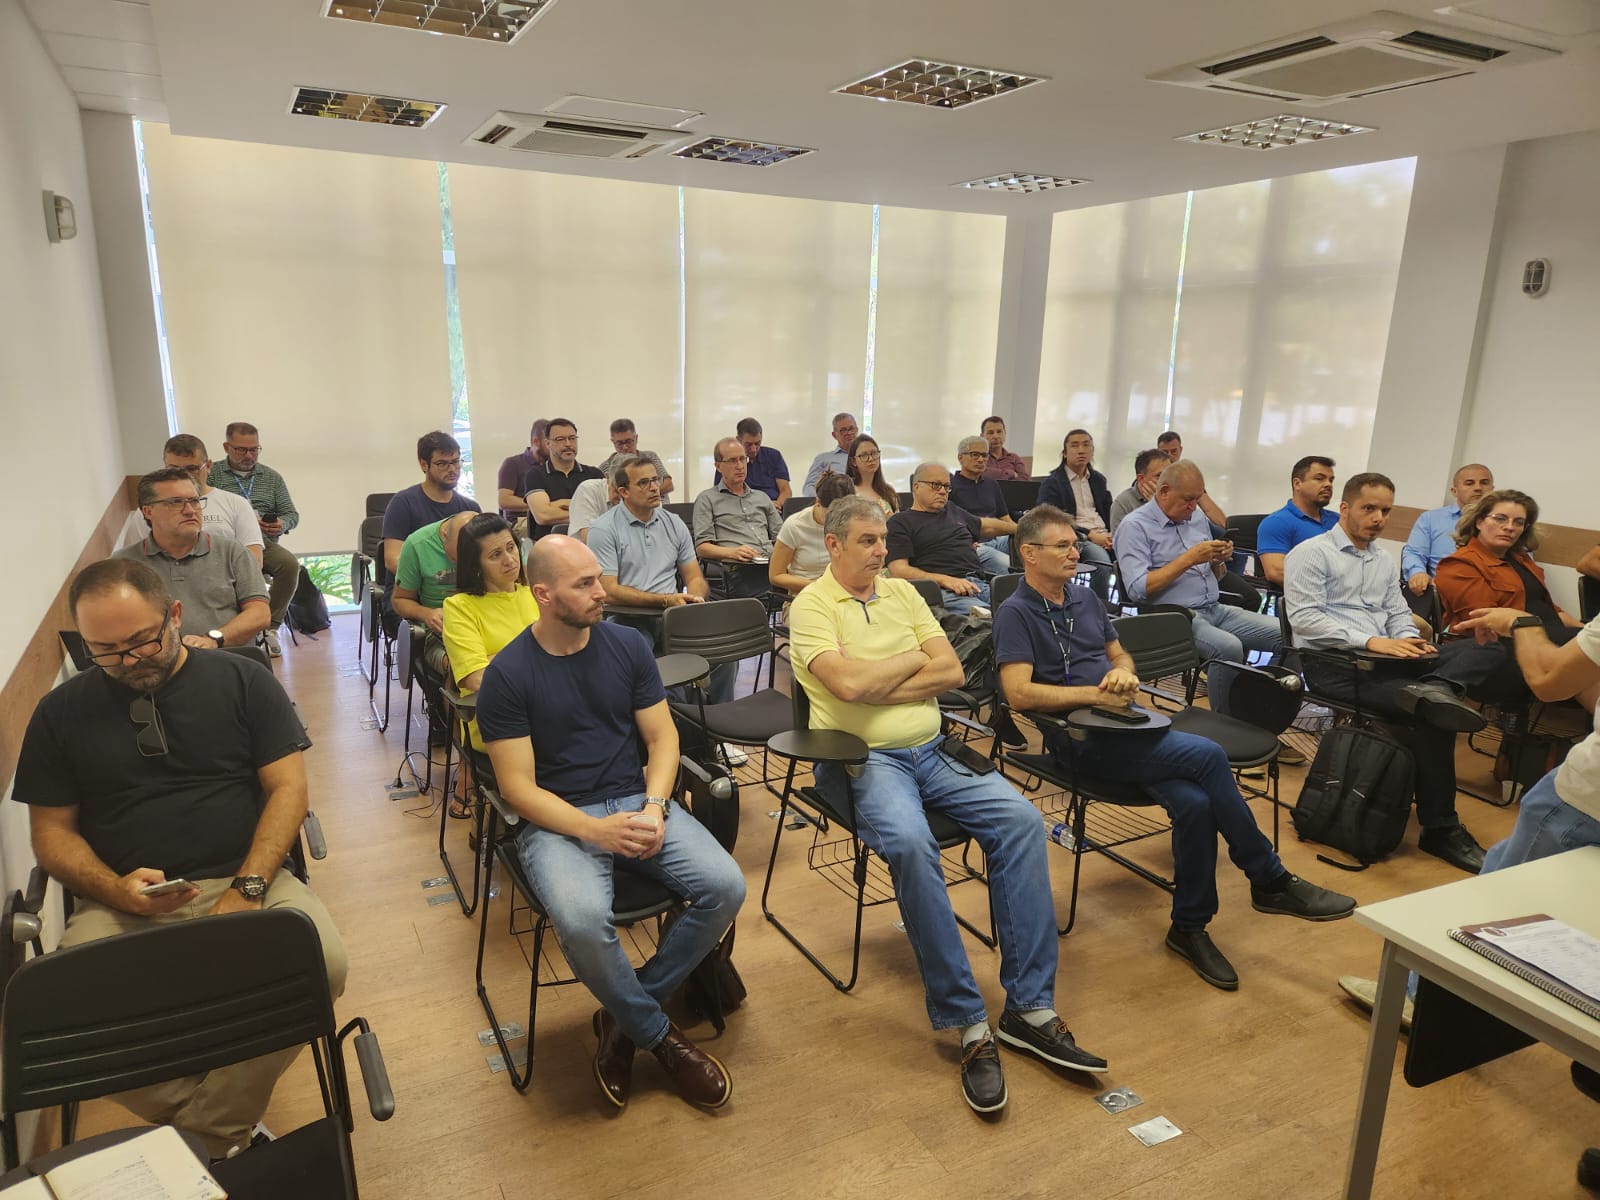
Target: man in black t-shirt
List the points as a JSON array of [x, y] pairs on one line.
[[564, 711], [169, 766], [434, 499], [549, 487], [934, 539]]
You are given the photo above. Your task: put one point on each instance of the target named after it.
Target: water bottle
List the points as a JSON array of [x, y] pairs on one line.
[[1061, 834]]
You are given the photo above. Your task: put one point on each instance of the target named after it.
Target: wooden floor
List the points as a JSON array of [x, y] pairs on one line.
[[852, 1095]]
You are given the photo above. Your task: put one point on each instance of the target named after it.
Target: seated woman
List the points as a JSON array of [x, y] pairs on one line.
[[798, 554], [491, 605], [866, 472]]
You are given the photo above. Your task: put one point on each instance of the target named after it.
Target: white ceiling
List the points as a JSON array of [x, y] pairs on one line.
[[766, 71]]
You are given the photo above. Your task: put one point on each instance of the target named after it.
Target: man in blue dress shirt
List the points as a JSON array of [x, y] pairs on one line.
[[1433, 536], [1305, 516]]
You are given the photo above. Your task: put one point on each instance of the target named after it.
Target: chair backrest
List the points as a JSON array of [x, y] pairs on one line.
[[1428, 606], [1245, 527], [683, 511], [904, 499], [796, 504], [1267, 697], [378, 502], [72, 642], [1161, 643], [209, 993], [719, 631], [800, 702], [1001, 587], [1588, 597], [929, 591], [369, 541], [253, 652], [1020, 494]]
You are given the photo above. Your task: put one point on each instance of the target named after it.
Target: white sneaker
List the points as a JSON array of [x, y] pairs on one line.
[[735, 757], [1365, 993], [259, 1135], [273, 648]]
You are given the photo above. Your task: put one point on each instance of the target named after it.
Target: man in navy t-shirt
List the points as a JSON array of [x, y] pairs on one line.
[[434, 499], [574, 717], [1057, 651]]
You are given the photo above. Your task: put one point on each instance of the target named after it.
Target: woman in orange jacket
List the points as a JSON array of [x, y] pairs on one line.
[[1494, 567]]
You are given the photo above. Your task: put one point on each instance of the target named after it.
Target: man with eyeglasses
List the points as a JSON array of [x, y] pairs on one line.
[[972, 488], [169, 767], [225, 512], [767, 471], [837, 460], [428, 502], [1057, 651], [935, 539], [734, 524], [245, 474], [625, 444], [549, 488], [213, 576]]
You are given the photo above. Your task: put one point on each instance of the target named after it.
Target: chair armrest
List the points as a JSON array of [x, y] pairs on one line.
[[967, 723], [316, 844], [465, 703], [374, 1072], [507, 814], [819, 745]]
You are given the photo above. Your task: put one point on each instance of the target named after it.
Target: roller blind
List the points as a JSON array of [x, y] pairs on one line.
[[303, 292]]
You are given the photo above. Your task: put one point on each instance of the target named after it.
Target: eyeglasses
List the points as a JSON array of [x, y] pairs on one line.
[[869, 455], [441, 464], [1063, 547], [570, 439], [973, 454], [1503, 519], [938, 487], [651, 482], [151, 738], [232, 449], [109, 658], [741, 461], [178, 503]]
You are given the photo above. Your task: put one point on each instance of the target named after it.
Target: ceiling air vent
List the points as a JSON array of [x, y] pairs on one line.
[[545, 134], [1381, 52]]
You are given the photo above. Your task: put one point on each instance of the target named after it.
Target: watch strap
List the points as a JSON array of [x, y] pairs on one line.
[[1527, 621]]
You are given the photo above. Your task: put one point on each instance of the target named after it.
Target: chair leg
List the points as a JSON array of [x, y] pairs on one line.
[[1078, 823], [784, 805], [519, 1080], [468, 907]]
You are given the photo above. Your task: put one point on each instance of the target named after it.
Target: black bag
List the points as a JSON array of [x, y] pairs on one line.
[[1357, 796], [714, 987], [972, 638], [308, 608]]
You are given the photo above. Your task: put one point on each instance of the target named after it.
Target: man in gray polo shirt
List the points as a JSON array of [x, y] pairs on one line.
[[216, 581], [735, 524]]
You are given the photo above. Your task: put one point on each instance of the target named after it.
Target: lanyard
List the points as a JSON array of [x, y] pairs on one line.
[[239, 479], [1064, 647]]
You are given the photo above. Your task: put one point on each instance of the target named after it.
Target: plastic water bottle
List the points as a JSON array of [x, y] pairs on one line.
[[1061, 834]]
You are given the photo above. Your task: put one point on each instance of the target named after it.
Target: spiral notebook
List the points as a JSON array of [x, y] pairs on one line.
[[1551, 955]]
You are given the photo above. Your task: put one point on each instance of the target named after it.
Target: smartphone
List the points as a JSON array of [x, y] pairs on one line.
[[167, 888], [1128, 716], [269, 516], [964, 754]]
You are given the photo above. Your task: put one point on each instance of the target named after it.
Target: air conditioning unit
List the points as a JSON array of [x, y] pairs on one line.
[[579, 137], [1381, 52]]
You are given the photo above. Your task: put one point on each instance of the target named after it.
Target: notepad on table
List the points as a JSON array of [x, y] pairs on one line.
[[1550, 954], [153, 1166]]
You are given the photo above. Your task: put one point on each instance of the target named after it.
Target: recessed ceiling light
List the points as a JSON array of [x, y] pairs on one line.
[[1274, 133], [487, 20], [1020, 181], [737, 150], [357, 106], [937, 85]]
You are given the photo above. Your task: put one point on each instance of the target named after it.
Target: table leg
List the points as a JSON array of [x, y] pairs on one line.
[[1381, 1043]]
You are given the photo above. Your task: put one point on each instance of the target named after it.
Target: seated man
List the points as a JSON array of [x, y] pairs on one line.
[[1056, 651], [934, 539], [973, 490], [1000, 463], [1147, 468], [226, 513], [428, 502], [204, 784], [1079, 490], [1168, 556], [216, 580], [564, 712], [1170, 443], [767, 472], [512, 470], [837, 460], [1433, 537], [243, 473], [1342, 592], [1305, 515], [549, 488], [734, 524], [872, 661], [594, 498], [625, 444], [424, 580]]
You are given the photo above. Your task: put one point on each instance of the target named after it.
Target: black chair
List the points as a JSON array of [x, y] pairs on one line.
[[841, 856], [1588, 597], [728, 631], [796, 504], [211, 993], [1020, 495], [1246, 559], [408, 666], [1427, 607], [637, 899], [377, 628], [462, 708], [684, 511]]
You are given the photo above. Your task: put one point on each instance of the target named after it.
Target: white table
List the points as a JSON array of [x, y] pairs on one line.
[[1416, 937]]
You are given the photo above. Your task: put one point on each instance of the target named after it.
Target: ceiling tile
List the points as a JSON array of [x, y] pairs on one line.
[[87, 81], [124, 20], [103, 54]]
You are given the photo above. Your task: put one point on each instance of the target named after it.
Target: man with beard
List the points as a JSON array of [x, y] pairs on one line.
[[1305, 515], [166, 766], [434, 499], [565, 711]]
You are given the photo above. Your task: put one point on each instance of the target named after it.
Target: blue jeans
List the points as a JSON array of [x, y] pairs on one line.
[[1222, 631], [573, 880], [1098, 557], [893, 794], [1189, 777], [994, 555], [962, 605]]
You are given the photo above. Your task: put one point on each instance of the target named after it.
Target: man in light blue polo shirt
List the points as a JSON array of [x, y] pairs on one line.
[[1305, 516], [1166, 555], [1433, 536]]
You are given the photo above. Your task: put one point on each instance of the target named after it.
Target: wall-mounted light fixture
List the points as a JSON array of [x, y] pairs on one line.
[[60, 221]]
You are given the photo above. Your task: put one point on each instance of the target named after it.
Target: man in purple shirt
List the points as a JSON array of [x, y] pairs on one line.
[[1001, 464], [767, 472], [513, 507]]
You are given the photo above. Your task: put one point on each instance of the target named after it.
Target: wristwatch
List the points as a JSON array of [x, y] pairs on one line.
[[1526, 621], [215, 634], [251, 887], [660, 802]]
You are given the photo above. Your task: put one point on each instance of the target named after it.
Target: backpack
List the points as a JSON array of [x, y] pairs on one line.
[[972, 638], [308, 608], [1357, 796], [714, 987]]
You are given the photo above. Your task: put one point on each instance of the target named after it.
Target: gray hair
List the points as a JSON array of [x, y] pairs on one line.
[[850, 508], [843, 416], [1181, 472], [971, 443], [916, 475]]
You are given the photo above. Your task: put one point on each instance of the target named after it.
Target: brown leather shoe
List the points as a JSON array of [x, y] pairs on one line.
[[613, 1059], [699, 1078]]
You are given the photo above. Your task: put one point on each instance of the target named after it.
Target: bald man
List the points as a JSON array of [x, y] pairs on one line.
[[564, 711], [1433, 536]]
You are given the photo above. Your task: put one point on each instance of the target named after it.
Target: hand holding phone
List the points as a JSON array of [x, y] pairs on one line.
[[1127, 716], [167, 887]]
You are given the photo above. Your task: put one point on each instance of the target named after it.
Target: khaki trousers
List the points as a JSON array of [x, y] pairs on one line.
[[282, 570]]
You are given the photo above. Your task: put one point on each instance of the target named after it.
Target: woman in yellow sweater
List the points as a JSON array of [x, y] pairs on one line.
[[491, 606]]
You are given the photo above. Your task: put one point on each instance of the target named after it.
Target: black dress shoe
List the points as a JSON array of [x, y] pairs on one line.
[[1052, 1042], [699, 1078], [983, 1083], [1301, 898], [613, 1059], [1434, 703], [1589, 1169], [1455, 845], [1208, 963]]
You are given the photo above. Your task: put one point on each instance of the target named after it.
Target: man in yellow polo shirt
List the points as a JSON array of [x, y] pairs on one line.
[[872, 660]]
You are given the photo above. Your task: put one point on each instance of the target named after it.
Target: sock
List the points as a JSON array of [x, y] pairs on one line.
[[974, 1033], [1041, 1017]]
